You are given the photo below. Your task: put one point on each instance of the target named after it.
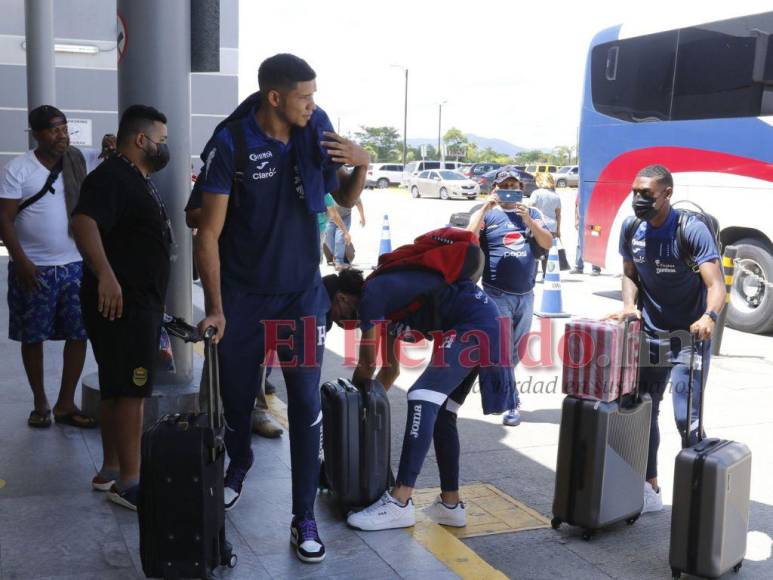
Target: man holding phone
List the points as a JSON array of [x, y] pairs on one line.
[[511, 235]]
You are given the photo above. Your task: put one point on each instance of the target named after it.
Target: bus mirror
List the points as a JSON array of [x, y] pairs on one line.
[[762, 71]]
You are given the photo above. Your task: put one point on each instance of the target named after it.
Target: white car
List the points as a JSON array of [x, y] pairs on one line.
[[444, 184], [382, 175], [567, 176]]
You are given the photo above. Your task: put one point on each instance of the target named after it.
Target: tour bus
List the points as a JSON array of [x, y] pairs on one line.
[[699, 100]]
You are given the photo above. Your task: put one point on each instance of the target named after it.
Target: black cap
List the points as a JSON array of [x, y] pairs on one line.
[[46, 117]]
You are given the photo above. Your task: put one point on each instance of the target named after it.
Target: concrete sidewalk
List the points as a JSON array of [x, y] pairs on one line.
[[53, 526]]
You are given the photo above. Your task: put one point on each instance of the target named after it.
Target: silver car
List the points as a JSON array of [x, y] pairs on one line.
[[443, 184], [567, 176]]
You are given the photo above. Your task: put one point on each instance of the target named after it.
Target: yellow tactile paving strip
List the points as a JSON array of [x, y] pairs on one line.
[[489, 511]]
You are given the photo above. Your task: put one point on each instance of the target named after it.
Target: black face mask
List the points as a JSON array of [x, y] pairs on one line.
[[644, 207], [159, 158]]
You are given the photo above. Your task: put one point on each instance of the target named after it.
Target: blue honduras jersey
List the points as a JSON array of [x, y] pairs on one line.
[[510, 262], [671, 295], [270, 242]]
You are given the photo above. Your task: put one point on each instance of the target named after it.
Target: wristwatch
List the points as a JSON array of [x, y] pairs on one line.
[[711, 314]]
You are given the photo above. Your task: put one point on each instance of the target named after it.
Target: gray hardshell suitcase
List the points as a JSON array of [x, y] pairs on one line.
[[710, 514], [602, 460]]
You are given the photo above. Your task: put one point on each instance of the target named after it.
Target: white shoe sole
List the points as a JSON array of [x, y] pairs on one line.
[[301, 557], [384, 526], [228, 508], [447, 522], [118, 500], [102, 486]]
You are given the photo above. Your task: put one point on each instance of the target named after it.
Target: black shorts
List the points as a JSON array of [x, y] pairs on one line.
[[126, 350]]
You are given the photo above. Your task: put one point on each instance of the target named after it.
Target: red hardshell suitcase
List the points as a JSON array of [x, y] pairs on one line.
[[593, 354]]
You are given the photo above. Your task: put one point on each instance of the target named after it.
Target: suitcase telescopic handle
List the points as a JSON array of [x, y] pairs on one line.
[[626, 355], [213, 380], [694, 342]]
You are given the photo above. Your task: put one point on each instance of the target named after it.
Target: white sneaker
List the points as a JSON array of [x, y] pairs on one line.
[[445, 515], [653, 501], [385, 514], [512, 418]]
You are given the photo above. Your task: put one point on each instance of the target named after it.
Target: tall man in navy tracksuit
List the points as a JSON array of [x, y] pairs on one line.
[[463, 323], [673, 300], [258, 255]]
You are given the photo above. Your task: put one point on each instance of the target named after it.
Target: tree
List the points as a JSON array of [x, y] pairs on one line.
[[382, 142], [563, 154], [456, 143], [530, 156]]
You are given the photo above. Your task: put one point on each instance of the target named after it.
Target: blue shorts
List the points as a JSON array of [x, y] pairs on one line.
[[53, 311]]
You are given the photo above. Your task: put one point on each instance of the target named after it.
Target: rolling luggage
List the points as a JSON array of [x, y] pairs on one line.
[[602, 458], [710, 514], [356, 441], [181, 508]]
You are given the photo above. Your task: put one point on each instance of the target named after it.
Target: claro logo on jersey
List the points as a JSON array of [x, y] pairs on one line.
[[516, 243], [261, 160]]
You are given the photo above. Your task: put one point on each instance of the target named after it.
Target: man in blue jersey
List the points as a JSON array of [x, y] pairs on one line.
[[676, 289], [510, 235], [463, 324], [258, 254]]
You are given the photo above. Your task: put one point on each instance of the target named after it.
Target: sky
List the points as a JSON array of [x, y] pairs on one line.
[[508, 70]]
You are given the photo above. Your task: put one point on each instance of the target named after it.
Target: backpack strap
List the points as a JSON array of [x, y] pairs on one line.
[[630, 225], [681, 241], [48, 186], [240, 159]]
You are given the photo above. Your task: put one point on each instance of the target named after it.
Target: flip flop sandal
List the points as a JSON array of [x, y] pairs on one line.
[[76, 419], [38, 420]]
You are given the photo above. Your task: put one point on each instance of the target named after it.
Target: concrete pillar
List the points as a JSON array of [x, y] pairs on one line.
[[154, 69], [41, 66]]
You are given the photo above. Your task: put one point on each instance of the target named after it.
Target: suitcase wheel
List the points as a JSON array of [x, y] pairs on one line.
[[232, 561], [676, 574], [737, 567], [587, 535], [555, 523], [632, 521]]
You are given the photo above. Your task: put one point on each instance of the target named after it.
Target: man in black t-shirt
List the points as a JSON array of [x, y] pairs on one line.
[[123, 232]]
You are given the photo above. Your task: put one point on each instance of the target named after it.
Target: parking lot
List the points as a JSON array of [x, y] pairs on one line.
[[53, 526]]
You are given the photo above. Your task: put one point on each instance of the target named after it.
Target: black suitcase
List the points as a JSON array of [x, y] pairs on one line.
[[356, 441], [181, 508], [710, 514], [602, 460]]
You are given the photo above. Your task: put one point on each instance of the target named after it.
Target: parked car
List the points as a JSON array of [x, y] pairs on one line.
[[413, 168], [444, 184], [567, 176], [479, 169], [486, 180], [382, 175], [464, 169], [540, 168]]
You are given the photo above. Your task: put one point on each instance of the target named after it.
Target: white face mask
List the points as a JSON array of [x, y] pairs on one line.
[[508, 210]]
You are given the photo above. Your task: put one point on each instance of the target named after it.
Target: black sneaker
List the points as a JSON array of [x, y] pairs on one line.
[[305, 538], [232, 484]]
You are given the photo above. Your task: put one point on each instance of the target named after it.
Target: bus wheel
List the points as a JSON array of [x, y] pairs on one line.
[[751, 297]]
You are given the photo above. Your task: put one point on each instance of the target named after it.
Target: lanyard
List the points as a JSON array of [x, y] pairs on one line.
[[150, 188]]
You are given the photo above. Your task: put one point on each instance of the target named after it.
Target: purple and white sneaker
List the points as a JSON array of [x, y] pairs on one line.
[[305, 537]]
